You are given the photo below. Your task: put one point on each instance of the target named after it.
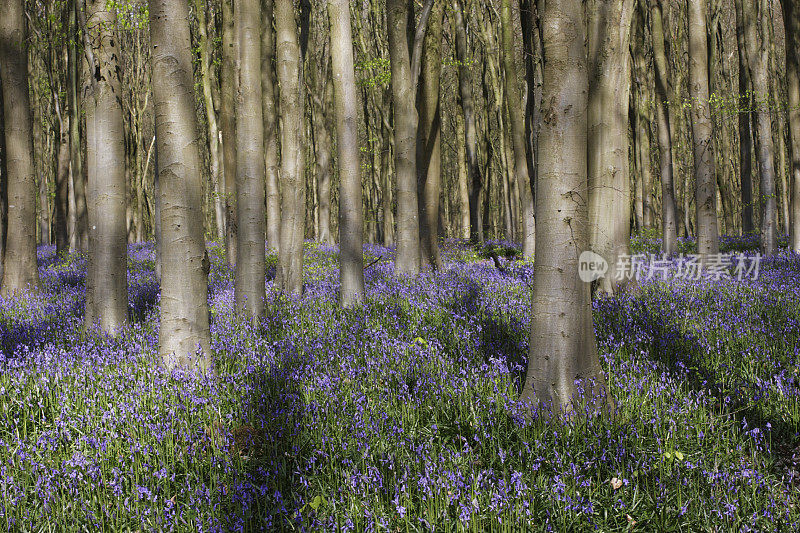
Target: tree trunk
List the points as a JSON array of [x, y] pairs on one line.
[[468, 105], [227, 118], [3, 182], [669, 223], [62, 186], [407, 258], [429, 141], [321, 107], [387, 192], [351, 217], [745, 134], [609, 89], [215, 151], [705, 182], [270, 114], [563, 363], [758, 58], [250, 167], [106, 283], [791, 21], [290, 263], [184, 313], [463, 175], [516, 113], [76, 154]]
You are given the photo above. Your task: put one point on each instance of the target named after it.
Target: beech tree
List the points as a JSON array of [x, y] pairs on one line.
[[250, 214], [270, 115], [184, 313], [564, 370], [20, 271], [791, 21], [351, 218], [106, 275]]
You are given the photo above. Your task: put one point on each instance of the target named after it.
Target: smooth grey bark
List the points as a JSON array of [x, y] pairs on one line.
[[429, 140], [184, 313], [564, 370], [791, 21], [351, 216], [609, 100], [227, 119], [270, 115], [407, 258], [62, 153], [20, 271], [475, 176], [758, 59], [250, 167], [745, 133], [3, 186], [321, 106], [106, 282], [289, 277], [669, 223], [516, 114], [705, 182]]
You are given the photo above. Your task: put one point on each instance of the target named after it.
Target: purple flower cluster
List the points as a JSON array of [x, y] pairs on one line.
[[402, 414]]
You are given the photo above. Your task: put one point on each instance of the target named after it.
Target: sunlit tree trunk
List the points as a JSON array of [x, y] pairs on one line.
[[250, 167], [293, 183], [791, 20], [20, 270], [227, 118], [270, 113], [184, 314], [351, 217], [705, 182], [609, 90], [106, 283], [669, 223], [563, 361]]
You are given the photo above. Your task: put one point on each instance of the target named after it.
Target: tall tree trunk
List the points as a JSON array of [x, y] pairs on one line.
[[745, 134], [563, 361], [351, 217], [758, 58], [227, 118], [3, 183], [516, 113], [468, 105], [215, 151], [270, 113], [791, 21], [669, 223], [322, 102], [250, 167], [407, 258], [609, 89], [76, 154], [463, 174], [184, 310], [643, 117], [705, 182], [106, 283], [290, 262], [429, 141], [62, 185], [387, 192]]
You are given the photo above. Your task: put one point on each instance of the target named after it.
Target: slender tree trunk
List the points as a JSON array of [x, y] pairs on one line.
[[609, 89], [321, 107], [62, 186], [407, 259], [563, 361], [516, 113], [351, 218], [184, 310], [76, 154], [669, 223], [745, 135], [642, 96], [250, 167], [791, 21], [758, 58], [705, 182], [429, 141], [463, 174], [289, 67], [3, 183], [227, 118], [465, 69], [387, 192], [106, 284], [270, 114], [215, 151]]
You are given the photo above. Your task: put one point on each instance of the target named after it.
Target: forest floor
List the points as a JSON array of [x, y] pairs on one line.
[[402, 415]]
